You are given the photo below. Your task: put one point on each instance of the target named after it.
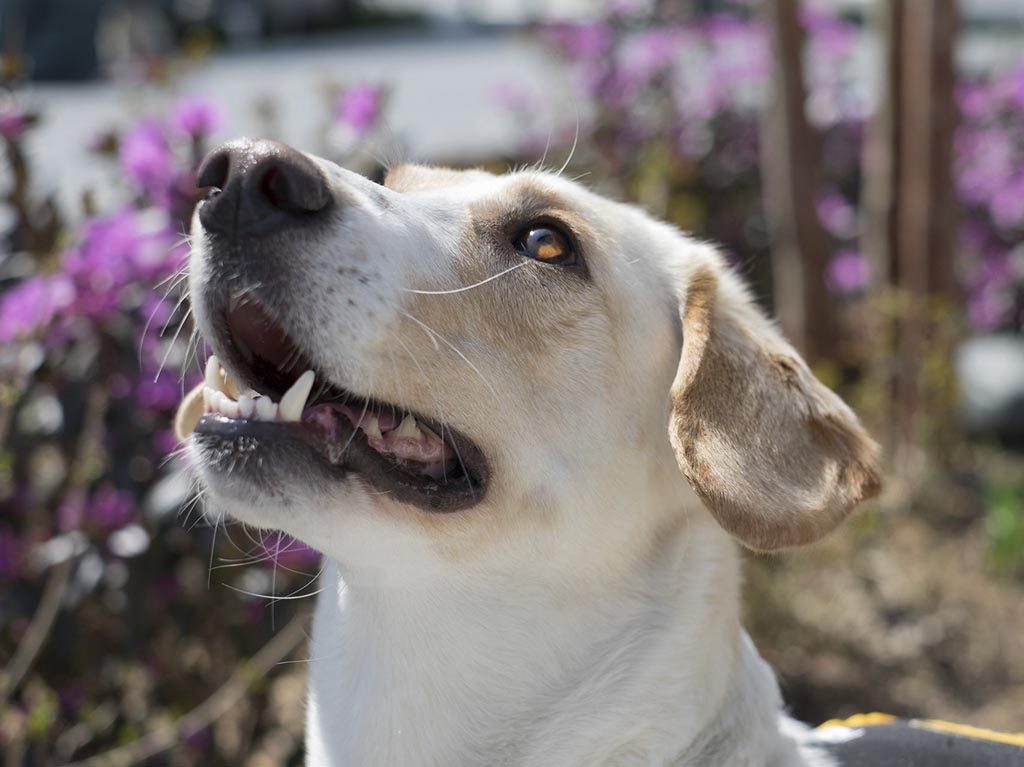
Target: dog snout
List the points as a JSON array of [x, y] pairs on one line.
[[258, 187]]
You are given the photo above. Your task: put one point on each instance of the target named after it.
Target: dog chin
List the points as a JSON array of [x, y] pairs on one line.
[[267, 486]]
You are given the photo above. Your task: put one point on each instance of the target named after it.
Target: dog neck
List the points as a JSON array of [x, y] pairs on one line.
[[655, 671]]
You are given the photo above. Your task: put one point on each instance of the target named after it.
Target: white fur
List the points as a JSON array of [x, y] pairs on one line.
[[598, 624]]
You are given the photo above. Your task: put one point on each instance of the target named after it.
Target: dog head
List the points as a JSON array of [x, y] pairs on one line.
[[494, 363]]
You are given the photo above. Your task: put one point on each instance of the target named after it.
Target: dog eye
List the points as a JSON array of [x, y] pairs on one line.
[[547, 243]]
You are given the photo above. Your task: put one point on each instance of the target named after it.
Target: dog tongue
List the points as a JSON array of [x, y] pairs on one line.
[[425, 449]]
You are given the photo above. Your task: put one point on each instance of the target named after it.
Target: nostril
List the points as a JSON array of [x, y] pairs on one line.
[[214, 170], [267, 188], [295, 185]]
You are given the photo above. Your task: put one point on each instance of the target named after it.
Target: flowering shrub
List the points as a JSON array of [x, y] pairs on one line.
[[989, 151], [672, 114], [95, 355]]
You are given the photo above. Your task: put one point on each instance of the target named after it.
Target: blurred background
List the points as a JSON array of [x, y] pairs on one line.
[[862, 163]]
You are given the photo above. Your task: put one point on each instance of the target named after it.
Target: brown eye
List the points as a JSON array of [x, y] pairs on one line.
[[546, 243]]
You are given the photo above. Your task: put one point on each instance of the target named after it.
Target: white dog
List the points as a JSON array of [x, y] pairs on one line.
[[526, 426]]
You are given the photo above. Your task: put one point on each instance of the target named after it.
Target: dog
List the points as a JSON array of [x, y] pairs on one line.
[[529, 428]]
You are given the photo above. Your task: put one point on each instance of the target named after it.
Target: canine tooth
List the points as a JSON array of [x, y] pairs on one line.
[[213, 373], [408, 428], [428, 433], [371, 425], [266, 409], [230, 385], [294, 399], [246, 406]]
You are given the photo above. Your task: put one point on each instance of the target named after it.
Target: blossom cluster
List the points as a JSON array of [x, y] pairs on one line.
[[693, 91], [96, 350]]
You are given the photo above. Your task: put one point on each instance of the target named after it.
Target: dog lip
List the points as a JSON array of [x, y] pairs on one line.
[[354, 457]]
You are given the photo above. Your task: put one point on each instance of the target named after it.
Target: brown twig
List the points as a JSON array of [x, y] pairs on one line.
[[53, 593], [39, 629], [220, 702]]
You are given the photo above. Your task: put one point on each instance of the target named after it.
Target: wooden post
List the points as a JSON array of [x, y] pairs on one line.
[[909, 204], [790, 158]]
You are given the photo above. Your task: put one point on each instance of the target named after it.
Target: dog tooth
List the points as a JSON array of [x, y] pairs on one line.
[[371, 425], [408, 428], [220, 402], [266, 409], [230, 385], [246, 406], [229, 407], [213, 373], [428, 433], [294, 400], [207, 399]]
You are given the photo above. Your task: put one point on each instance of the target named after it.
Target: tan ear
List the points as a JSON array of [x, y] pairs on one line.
[[776, 456], [189, 412]]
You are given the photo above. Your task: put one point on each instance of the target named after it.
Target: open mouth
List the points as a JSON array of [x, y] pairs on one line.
[[282, 398]]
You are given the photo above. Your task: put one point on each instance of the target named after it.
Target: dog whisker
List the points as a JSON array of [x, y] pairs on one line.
[[434, 334], [493, 277], [575, 141]]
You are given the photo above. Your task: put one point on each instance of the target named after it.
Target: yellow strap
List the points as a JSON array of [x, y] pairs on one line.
[[1009, 738], [859, 720], [935, 725]]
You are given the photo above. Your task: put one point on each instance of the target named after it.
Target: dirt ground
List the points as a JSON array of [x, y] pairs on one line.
[[900, 611]]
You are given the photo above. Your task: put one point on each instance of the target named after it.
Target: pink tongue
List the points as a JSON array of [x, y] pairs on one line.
[[433, 457], [424, 449]]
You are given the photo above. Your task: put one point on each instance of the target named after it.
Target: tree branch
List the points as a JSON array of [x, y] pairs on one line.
[[222, 700]]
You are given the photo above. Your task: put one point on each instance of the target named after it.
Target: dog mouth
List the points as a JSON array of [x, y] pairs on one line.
[[278, 398]]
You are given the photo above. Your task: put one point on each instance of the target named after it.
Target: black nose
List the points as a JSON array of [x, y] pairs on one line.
[[258, 187]]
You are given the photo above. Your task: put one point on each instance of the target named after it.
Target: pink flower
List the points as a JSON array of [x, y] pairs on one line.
[[70, 513], [837, 215], [163, 394], [830, 36], [13, 123], [110, 508], [987, 308], [580, 41], [196, 117], [146, 157], [359, 107], [29, 308], [848, 272]]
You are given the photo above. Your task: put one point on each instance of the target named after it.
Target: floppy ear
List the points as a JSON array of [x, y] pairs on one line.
[[776, 456], [189, 412]]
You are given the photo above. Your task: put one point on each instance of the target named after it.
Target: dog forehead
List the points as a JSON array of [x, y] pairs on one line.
[[484, 192], [410, 177]]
